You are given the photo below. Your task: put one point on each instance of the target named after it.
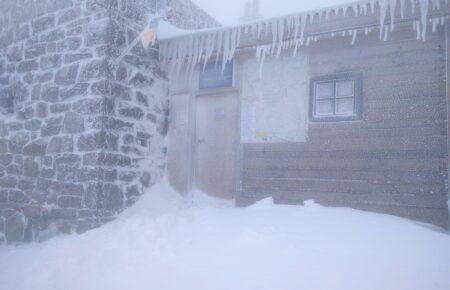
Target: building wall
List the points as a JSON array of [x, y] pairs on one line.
[[83, 113], [393, 161]]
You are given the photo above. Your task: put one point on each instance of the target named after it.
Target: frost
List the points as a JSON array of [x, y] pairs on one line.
[[288, 32]]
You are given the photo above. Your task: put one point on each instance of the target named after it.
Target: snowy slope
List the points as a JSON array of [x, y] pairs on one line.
[[165, 243]]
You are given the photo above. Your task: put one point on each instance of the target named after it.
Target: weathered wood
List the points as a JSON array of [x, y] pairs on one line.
[[395, 160]]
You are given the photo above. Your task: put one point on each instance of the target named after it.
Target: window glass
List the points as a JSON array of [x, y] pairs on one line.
[[324, 107], [324, 90], [345, 106], [345, 89], [214, 77], [336, 97]]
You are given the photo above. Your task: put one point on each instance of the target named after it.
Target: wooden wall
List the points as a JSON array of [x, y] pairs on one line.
[[394, 160]]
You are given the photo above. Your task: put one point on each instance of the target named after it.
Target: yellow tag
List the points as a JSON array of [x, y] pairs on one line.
[[148, 36], [262, 134]]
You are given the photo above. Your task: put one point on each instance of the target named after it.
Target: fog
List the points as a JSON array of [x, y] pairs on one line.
[[229, 12], [300, 145]]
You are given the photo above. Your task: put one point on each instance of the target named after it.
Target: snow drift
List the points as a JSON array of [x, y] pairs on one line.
[[165, 242]]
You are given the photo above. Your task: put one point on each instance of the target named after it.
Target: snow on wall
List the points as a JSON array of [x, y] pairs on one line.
[[275, 105], [83, 113], [288, 33]]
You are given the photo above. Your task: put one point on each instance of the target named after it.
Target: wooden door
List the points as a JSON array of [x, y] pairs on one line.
[[216, 144]]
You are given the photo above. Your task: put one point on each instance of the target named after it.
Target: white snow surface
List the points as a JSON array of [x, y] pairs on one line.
[[165, 242]]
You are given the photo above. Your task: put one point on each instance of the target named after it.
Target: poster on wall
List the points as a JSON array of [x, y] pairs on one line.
[[274, 105]]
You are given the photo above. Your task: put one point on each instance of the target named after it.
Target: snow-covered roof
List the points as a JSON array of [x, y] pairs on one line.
[[289, 32]]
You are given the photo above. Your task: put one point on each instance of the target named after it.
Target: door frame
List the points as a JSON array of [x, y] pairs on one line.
[[193, 135]]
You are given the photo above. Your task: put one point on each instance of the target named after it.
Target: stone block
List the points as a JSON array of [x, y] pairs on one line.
[[18, 141], [79, 89], [64, 188], [31, 211], [67, 75], [70, 44], [73, 123], [113, 198], [3, 195], [127, 176], [30, 167], [94, 69], [43, 23], [132, 112], [69, 201], [33, 125], [53, 35], [15, 228], [55, 5], [106, 159], [60, 144], [35, 148], [133, 191], [22, 32], [98, 141], [66, 172], [145, 179], [15, 54], [35, 51], [68, 158], [94, 106], [51, 127], [69, 15], [18, 196], [27, 65], [61, 214], [73, 57], [50, 93], [141, 81], [3, 146], [41, 110], [5, 159], [60, 108], [14, 169], [51, 61]]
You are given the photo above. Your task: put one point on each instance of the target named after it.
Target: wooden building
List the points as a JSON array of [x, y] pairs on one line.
[[357, 118]]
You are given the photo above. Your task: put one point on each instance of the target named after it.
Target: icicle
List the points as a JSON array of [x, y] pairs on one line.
[[261, 56], [386, 32], [355, 33], [392, 5], [383, 11], [423, 16], [226, 49], [402, 8], [219, 44]]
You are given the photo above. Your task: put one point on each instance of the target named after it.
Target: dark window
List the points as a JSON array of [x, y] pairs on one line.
[[336, 97], [213, 76]]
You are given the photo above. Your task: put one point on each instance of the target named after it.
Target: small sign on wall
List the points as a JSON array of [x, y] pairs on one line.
[[275, 107]]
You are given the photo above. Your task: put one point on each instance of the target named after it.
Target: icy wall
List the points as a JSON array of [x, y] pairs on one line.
[[83, 114]]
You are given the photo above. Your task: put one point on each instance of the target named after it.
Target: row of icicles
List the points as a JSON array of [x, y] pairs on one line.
[[288, 33]]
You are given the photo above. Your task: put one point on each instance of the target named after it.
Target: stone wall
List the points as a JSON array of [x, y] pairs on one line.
[[83, 112]]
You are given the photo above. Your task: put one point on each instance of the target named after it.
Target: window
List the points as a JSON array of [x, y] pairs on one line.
[[214, 77], [336, 97]]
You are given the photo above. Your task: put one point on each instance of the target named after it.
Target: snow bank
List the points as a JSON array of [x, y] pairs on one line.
[[165, 242]]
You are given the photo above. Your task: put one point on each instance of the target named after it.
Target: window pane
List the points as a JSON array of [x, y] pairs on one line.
[[324, 91], [345, 106], [213, 77], [345, 89], [324, 107]]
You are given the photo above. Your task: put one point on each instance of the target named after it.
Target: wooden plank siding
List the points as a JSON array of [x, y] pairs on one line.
[[394, 160]]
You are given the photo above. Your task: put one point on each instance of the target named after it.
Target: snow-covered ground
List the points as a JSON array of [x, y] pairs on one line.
[[164, 242]]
